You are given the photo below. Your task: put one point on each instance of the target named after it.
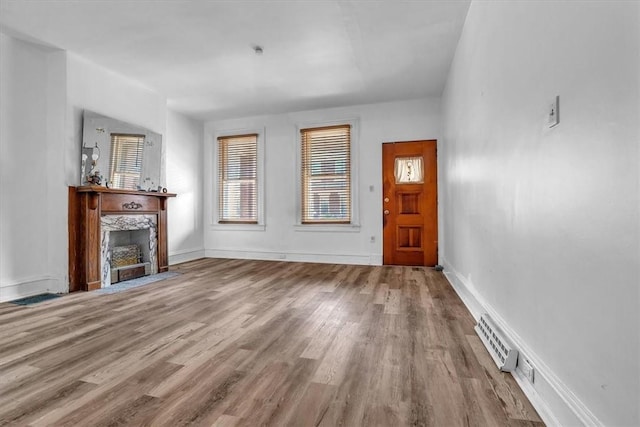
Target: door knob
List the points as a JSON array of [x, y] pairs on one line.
[[386, 211], [386, 200]]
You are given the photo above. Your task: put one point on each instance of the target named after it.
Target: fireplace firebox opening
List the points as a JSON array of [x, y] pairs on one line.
[[130, 254]]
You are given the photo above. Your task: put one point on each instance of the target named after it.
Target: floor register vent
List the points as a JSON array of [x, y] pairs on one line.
[[497, 343]]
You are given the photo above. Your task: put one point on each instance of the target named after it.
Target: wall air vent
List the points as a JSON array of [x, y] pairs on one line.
[[497, 344]]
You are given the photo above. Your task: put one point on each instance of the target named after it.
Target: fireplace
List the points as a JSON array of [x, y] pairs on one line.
[[101, 219], [128, 247]]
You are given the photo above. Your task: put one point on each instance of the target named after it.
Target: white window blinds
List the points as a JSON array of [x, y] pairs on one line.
[[126, 160], [238, 179], [326, 175]]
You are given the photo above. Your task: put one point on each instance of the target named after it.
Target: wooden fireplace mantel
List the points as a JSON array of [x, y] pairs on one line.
[[87, 204]]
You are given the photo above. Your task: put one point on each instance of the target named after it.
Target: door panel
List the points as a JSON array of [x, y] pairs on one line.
[[410, 203]]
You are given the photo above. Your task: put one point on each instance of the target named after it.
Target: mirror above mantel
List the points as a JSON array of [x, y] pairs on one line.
[[120, 155]]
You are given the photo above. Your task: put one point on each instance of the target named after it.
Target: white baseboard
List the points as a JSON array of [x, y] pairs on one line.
[[375, 259], [178, 257], [32, 286], [466, 294], [556, 404], [293, 256]]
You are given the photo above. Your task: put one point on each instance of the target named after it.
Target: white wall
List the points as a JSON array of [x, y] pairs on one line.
[[542, 225], [184, 166], [44, 93], [32, 118], [103, 91], [280, 239]]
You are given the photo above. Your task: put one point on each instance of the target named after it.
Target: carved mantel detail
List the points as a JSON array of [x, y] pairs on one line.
[[131, 205]]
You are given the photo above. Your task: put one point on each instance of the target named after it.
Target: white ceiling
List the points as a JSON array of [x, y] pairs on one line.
[[199, 54]]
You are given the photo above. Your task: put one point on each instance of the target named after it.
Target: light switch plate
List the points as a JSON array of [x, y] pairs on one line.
[[553, 114]]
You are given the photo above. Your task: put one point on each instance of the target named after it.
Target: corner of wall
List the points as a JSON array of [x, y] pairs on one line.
[[186, 256], [32, 286]]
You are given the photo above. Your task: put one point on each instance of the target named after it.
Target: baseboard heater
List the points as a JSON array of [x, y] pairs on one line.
[[498, 345]]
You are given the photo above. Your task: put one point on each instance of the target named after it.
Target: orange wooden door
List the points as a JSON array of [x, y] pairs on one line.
[[410, 203]]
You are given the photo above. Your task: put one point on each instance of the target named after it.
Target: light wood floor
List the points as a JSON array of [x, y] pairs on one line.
[[236, 342]]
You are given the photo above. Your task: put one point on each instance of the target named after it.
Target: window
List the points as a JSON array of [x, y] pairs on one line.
[[409, 170], [126, 160], [326, 175], [238, 179]]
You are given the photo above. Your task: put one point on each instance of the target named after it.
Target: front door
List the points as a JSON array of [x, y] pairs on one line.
[[410, 203]]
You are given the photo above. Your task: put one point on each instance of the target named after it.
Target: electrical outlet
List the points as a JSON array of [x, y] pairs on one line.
[[553, 114], [527, 370]]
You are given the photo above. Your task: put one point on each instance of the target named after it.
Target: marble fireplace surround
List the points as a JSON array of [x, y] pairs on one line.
[[110, 223]]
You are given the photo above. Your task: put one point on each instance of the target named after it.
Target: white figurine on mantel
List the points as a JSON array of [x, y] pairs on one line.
[[94, 174], [84, 165]]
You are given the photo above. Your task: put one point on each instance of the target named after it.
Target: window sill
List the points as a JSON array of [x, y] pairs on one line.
[[238, 227], [328, 228]]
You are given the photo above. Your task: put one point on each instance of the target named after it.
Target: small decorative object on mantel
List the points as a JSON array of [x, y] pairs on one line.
[[84, 163], [95, 179], [94, 176]]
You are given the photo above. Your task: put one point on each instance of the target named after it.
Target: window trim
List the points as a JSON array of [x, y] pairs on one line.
[[354, 225], [216, 222]]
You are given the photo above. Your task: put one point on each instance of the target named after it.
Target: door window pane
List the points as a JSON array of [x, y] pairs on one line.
[[409, 170]]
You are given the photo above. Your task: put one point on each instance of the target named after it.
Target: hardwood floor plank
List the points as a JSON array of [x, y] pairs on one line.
[[123, 398], [226, 421], [482, 409], [16, 373], [252, 343], [132, 413], [21, 329], [192, 371], [321, 339], [32, 348], [313, 406], [286, 396], [392, 301], [371, 281], [34, 409], [504, 386], [333, 367], [319, 317], [202, 395], [117, 384], [362, 379], [45, 382], [381, 292]]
